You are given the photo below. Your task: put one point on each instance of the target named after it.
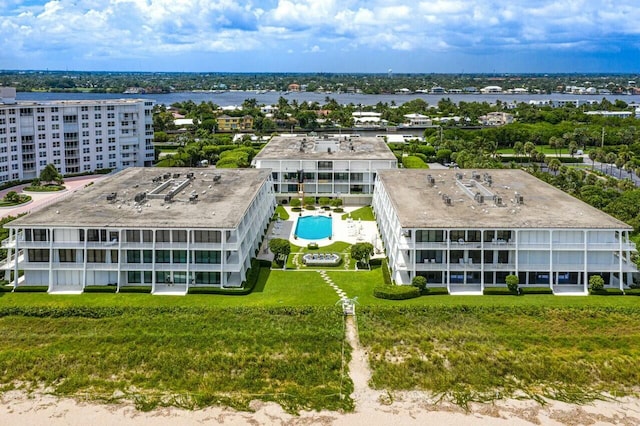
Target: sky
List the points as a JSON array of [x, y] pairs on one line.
[[332, 36]]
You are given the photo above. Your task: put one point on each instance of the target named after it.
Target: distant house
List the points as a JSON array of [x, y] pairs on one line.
[[417, 120], [491, 89], [496, 119], [618, 114], [232, 124], [293, 87], [368, 119]]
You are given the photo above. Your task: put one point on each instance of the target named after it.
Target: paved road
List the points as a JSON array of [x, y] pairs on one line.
[[42, 199]]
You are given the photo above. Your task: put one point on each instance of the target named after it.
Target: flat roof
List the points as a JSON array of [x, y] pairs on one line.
[[221, 201], [421, 204], [326, 147], [74, 102]]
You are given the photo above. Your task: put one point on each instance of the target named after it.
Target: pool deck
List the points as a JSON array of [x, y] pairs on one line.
[[349, 231]]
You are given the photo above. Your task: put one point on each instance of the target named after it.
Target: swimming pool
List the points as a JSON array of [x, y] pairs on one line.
[[313, 227]]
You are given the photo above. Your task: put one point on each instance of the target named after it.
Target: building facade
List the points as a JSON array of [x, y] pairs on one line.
[[233, 124], [342, 166], [167, 230], [468, 231], [75, 136]]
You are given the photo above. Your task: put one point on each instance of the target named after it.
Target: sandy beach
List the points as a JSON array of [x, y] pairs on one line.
[[413, 408]]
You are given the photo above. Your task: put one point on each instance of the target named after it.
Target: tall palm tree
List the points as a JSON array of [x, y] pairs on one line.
[[553, 165], [593, 155]]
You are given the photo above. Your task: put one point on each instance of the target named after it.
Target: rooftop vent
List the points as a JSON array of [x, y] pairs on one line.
[[193, 198], [166, 176], [475, 175], [112, 197], [497, 200], [140, 197], [479, 198], [216, 178], [519, 199], [190, 175], [430, 180], [447, 200], [459, 176]]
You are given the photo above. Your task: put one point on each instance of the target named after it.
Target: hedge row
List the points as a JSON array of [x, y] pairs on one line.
[[525, 159], [136, 289], [396, 292], [249, 284], [413, 162], [386, 275], [435, 291], [608, 292], [536, 290], [498, 291], [31, 289], [632, 292], [100, 289]]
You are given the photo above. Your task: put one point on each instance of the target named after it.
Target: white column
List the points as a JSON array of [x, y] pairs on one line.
[[49, 234], [120, 234], [17, 251], [551, 271], [153, 261], [620, 263], [188, 259], [223, 275], [84, 260], [585, 234]]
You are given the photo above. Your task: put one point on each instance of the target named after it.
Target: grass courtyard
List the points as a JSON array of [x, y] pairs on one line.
[[284, 343]]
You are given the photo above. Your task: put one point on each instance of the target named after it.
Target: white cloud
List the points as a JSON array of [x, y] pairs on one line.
[[152, 27]]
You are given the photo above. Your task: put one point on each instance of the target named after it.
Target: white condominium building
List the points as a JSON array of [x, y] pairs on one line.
[[167, 229], [343, 166], [468, 230], [75, 136]]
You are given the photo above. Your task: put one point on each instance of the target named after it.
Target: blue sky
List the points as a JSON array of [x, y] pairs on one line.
[[423, 36]]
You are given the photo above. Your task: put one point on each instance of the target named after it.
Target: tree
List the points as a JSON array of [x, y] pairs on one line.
[[309, 201], [518, 149], [336, 203], [596, 283], [554, 165], [593, 155], [513, 283], [362, 252], [419, 282], [280, 249], [12, 197], [50, 174], [295, 203], [324, 201]]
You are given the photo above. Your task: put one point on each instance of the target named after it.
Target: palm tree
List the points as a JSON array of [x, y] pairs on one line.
[[518, 149], [553, 165], [593, 155], [611, 159]]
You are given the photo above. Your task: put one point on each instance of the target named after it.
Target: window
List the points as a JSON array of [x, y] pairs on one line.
[[133, 256], [163, 236], [207, 278], [96, 256], [36, 235], [38, 255], [147, 236], [134, 277], [114, 256], [179, 236], [207, 256], [207, 236], [67, 255], [133, 235], [163, 256], [147, 256], [179, 256]]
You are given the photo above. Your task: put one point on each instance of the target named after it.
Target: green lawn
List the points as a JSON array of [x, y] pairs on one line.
[[283, 343], [281, 212], [545, 149], [363, 213]]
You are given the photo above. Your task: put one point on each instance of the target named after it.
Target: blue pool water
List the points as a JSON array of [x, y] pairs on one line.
[[313, 227]]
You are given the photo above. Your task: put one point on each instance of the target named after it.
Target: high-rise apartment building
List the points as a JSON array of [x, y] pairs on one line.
[[74, 135]]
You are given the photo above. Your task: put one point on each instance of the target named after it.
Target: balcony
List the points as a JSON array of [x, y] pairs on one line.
[[428, 265], [499, 266], [568, 246], [441, 245]]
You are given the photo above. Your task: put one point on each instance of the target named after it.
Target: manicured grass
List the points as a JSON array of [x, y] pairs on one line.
[[281, 212], [479, 353], [363, 213], [337, 247], [45, 188], [545, 149], [22, 199]]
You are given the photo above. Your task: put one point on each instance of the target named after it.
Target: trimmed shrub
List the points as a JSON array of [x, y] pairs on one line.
[[632, 292], [32, 289], [498, 291], [419, 282], [608, 292], [596, 283], [6, 288], [512, 283], [396, 292], [535, 290], [100, 289], [135, 289], [434, 291], [386, 275], [413, 162]]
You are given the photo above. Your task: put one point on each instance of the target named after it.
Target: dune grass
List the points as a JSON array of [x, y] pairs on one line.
[[180, 356], [481, 353]]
